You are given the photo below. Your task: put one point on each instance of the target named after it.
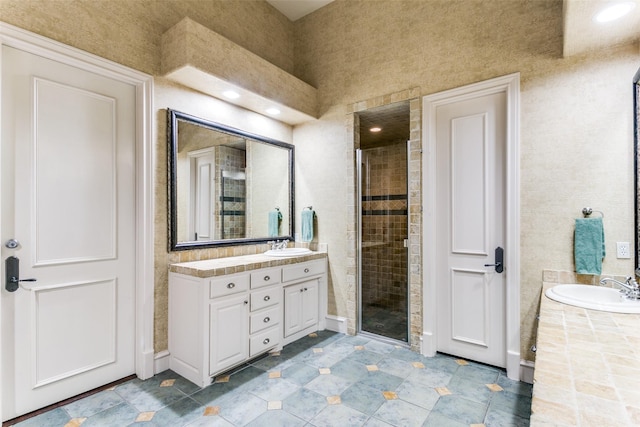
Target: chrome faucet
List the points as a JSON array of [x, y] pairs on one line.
[[630, 288], [278, 245]]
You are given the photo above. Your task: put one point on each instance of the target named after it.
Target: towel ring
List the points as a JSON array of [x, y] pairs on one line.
[[588, 211]]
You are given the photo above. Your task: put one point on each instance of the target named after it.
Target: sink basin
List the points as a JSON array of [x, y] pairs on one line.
[[593, 297], [287, 252]]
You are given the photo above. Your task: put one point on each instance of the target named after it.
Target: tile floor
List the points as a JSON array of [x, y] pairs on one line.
[[387, 323], [325, 379]]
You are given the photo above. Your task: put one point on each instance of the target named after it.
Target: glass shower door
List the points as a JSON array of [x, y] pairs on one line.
[[383, 260]]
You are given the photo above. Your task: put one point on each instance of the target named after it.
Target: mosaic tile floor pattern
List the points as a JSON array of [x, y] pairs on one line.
[[325, 379]]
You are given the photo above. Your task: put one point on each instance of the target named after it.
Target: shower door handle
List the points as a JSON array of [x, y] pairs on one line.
[[499, 260]]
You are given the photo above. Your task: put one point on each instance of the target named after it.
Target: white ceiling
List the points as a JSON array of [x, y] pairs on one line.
[[581, 33]]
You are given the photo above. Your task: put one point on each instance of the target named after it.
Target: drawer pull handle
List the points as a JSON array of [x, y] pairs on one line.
[[301, 290], [266, 298], [267, 278], [305, 289], [246, 302], [231, 285], [266, 341], [266, 320], [306, 270]]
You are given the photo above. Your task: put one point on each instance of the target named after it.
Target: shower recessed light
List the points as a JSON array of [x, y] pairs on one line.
[[375, 129], [273, 111], [231, 94], [615, 11]]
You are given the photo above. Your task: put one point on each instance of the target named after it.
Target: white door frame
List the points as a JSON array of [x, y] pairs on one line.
[[510, 85], [33, 43]]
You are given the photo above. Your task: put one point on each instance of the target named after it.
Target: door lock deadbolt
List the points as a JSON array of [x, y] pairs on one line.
[[12, 243]]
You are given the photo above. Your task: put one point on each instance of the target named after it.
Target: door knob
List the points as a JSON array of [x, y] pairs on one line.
[[499, 260]]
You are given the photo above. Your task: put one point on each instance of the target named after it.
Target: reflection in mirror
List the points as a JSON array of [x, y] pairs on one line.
[[226, 184]]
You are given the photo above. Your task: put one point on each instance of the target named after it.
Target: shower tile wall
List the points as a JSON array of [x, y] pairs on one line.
[[384, 228], [231, 203]]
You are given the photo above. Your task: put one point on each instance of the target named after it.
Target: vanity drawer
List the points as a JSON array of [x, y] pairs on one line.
[[228, 285], [264, 319], [264, 341], [300, 271], [266, 298], [265, 277]]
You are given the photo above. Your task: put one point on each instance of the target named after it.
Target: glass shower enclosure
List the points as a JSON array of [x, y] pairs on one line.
[[383, 231]]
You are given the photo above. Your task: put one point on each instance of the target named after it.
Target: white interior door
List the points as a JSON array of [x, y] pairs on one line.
[[68, 197], [470, 218], [202, 167]]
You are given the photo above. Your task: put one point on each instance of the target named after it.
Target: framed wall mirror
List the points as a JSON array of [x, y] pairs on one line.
[[226, 186], [636, 163]]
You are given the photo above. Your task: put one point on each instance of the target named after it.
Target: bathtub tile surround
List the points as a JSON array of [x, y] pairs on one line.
[[352, 381], [587, 366]]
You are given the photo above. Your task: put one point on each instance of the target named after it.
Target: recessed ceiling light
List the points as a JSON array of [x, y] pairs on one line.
[[615, 11], [231, 94], [273, 111], [375, 129]]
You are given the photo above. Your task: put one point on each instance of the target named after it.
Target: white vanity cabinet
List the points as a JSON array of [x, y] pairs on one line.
[[218, 322]]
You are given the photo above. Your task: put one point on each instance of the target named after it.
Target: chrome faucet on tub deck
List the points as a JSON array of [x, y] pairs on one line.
[[630, 288]]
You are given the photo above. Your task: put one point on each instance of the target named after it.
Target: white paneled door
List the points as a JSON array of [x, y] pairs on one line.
[[470, 217], [68, 198]]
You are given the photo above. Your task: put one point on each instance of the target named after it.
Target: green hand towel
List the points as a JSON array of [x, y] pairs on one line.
[[589, 245], [274, 223], [307, 225]]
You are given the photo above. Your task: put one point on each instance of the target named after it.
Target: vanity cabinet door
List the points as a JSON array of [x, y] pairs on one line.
[[292, 309], [300, 306], [309, 303], [228, 332]]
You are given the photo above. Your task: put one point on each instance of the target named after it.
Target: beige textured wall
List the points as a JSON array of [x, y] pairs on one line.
[[576, 120], [128, 31]]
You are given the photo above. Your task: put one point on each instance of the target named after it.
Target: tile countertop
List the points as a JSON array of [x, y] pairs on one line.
[[238, 264], [587, 368]]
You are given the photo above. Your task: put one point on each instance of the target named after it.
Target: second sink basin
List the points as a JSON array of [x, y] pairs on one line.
[[593, 297], [287, 252]]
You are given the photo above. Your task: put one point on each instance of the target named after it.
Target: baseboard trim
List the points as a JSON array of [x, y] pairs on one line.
[[146, 369], [336, 323], [526, 371], [161, 361], [513, 365], [427, 344]]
